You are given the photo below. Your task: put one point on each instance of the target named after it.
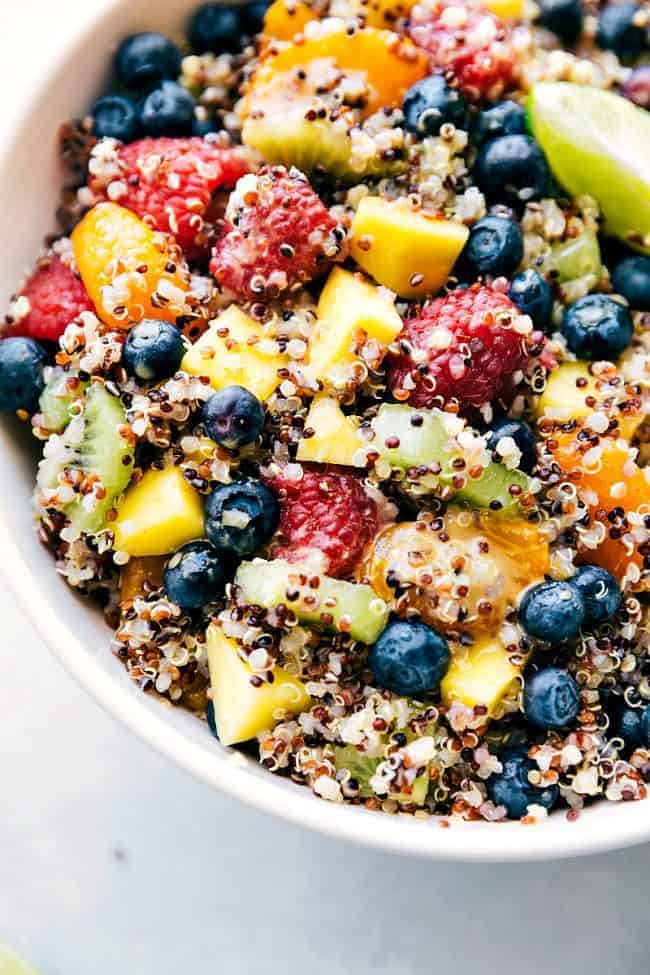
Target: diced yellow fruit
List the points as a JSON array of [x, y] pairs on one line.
[[159, 514], [286, 18], [336, 439], [507, 10], [408, 251], [482, 674], [349, 309], [242, 710], [235, 351], [563, 399]]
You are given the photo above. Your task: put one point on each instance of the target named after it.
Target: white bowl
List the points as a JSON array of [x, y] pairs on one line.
[[30, 178]]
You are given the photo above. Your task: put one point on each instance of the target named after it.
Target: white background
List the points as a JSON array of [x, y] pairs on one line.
[[114, 863]]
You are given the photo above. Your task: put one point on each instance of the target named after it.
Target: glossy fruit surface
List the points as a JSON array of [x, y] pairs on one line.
[[115, 117], [597, 143], [153, 350], [145, 58], [512, 169], [409, 658], [533, 295], [495, 247], [241, 516], [233, 417], [21, 374], [631, 278], [503, 118], [168, 110], [600, 591], [432, 103], [552, 611], [195, 575], [551, 698], [513, 789], [597, 327], [523, 436]]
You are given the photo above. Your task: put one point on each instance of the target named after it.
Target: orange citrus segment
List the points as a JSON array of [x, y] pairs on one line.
[[137, 572], [286, 18], [130, 271], [387, 63]]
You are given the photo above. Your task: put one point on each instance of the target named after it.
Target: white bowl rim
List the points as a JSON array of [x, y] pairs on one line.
[[625, 824]]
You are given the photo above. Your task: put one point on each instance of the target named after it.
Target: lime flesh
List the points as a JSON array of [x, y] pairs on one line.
[[598, 143]]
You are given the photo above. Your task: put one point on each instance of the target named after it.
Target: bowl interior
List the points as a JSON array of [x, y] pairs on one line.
[[30, 174]]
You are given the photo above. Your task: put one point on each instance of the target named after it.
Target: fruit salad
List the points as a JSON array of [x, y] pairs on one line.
[[339, 361]]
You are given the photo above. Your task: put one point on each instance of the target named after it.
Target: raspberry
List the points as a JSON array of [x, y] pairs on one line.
[[327, 512], [170, 182], [278, 234], [468, 42], [467, 346], [56, 296]]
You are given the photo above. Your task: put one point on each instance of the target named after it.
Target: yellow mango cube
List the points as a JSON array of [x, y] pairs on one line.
[[336, 439], [507, 10], [235, 351], [158, 515], [242, 710], [349, 308], [563, 399], [481, 674], [408, 251], [286, 18]]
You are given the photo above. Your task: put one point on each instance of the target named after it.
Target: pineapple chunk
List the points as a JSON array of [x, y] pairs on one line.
[[336, 439], [349, 308], [482, 674], [286, 18], [563, 400], [507, 10], [158, 515], [244, 357], [241, 710], [410, 252]]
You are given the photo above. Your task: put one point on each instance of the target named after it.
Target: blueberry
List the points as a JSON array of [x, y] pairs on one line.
[[523, 436], [409, 658], [533, 295], [562, 17], [21, 374], [551, 698], [153, 350], [645, 727], [115, 117], [252, 15], [637, 86], [511, 787], [167, 110], [503, 118], [240, 517], [597, 327], [144, 59], [632, 280], [552, 611], [216, 27], [512, 169], [600, 591], [618, 31], [233, 417], [431, 103], [195, 575], [629, 727], [206, 126], [210, 718], [495, 246]]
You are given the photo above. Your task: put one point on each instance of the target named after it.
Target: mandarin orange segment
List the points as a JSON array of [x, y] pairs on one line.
[[140, 573], [130, 271], [387, 63], [467, 579], [606, 479], [286, 18]]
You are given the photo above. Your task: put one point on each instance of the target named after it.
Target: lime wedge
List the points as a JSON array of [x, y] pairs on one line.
[[598, 143], [10, 964]]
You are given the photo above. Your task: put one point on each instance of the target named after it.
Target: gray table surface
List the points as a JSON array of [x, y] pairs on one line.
[[114, 863]]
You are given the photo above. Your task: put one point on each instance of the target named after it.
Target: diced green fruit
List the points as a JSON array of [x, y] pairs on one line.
[[493, 486], [426, 442], [363, 768], [92, 443], [598, 144], [159, 514], [242, 710], [578, 257], [335, 438], [56, 401], [283, 136], [335, 604]]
